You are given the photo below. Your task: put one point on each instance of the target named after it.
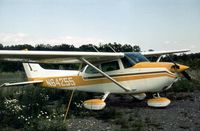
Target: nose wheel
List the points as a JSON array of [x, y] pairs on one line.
[[158, 102]]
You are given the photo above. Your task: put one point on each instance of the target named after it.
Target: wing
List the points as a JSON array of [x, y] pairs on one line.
[[56, 56], [159, 53]]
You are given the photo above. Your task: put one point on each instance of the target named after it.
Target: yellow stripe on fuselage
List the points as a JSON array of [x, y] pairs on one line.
[[166, 65], [72, 81]]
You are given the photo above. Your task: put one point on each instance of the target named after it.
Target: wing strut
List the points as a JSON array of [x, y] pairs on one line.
[[20, 83], [107, 76]]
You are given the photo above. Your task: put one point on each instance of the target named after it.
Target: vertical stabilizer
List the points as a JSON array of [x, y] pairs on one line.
[[32, 70]]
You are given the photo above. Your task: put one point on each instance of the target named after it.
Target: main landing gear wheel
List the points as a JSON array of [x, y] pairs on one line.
[[158, 101], [96, 104]]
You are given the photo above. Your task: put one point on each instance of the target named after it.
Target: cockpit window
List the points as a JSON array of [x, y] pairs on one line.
[[131, 59], [108, 66], [136, 57], [127, 62]]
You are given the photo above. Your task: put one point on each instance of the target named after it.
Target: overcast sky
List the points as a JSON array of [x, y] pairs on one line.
[[151, 24]]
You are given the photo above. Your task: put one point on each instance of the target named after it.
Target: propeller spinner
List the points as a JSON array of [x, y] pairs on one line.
[[181, 69]]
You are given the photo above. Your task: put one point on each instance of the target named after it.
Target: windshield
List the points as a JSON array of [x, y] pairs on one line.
[[136, 57]]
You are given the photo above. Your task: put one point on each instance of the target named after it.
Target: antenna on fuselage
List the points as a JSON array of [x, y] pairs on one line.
[[95, 48], [111, 48]]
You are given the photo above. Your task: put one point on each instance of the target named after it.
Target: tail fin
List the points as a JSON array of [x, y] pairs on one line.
[[32, 70]]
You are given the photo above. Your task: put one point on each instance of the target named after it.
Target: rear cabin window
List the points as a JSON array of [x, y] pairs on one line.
[[110, 66], [61, 66]]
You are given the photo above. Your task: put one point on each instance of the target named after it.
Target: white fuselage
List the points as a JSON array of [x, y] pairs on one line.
[[130, 74], [137, 79]]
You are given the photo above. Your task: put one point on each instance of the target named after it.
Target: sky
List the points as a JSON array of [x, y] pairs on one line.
[[151, 24]]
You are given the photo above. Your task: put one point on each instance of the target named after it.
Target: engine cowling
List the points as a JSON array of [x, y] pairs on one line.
[[94, 104]]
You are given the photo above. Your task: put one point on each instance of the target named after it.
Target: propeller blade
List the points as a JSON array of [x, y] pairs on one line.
[[186, 75], [175, 65]]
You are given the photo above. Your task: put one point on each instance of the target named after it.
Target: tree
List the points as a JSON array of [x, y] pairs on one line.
[[1, 46], [64, 47], [127, 48], [150, 50], [136, 48], [87, 48]]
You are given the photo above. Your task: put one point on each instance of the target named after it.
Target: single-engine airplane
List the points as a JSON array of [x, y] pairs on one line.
[[127, 73]]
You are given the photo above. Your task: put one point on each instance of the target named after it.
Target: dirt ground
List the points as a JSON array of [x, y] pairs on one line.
[[182, 114]]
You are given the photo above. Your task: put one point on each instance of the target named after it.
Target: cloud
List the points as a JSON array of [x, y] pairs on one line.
[[12, 38], [170, 42], [22, 38], [77, 41]]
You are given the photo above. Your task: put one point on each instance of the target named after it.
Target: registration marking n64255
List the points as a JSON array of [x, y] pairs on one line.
[[60, 82]]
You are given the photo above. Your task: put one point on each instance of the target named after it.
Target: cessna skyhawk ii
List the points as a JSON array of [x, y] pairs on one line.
[[126, 73]]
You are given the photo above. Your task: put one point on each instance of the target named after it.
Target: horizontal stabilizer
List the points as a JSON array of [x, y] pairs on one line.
[[20, 83]]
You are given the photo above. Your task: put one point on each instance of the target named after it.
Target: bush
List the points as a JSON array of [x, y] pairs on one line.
[[184, 85]]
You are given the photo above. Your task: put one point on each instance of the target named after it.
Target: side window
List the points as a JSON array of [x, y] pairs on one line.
[[91, 70], [61, 66], [126, 62], [110, 66]]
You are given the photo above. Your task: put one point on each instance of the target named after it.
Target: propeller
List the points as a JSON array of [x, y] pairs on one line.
[[186, 75], [178, 67], [175, 65]]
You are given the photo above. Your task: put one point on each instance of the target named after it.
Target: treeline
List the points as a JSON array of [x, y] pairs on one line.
[[192, 60], [66, 47]]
